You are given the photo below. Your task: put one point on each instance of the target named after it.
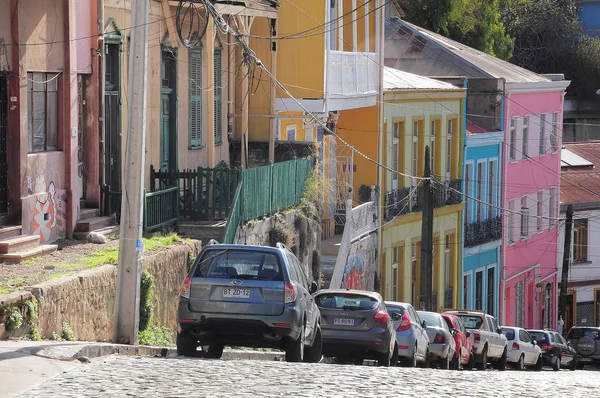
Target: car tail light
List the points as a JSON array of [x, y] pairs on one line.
[[546, 347], [381, 316], [516, 346], [404, 323], [184, 290], [477, 337], [439, 339], [290, 292]]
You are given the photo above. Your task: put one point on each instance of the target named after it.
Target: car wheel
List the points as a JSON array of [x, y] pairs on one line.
[[574, 364], [455, 363], [483, 364], [500, 363], [412, 361], [394, 361], [214, 351], [294, 351], [313, 354], [384, 359], [186, 345], [471, 364], [579, 366], [444, 362], [427, 362], [539, 364], [556, 364], [520, 365]]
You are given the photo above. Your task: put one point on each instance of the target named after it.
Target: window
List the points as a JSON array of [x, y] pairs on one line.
[[513, 139], [490, 290], [480, 197], [492, 189], [552, 206], [524, 217], [395, 150], [479, 290], [554, 134], [520, 304], [42, 97], [511, 221], [433, 153], [468, 190], [525, 146], [466, 290], [395, 274], [540, 209], [447, 263], [548, 306], [580, 240], [195, 90], [449, 150], [542, 134], [415, 152], [218, 101], [414, 273]]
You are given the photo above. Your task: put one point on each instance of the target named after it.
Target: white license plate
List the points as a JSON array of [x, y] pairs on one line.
[[343, 321], [585, 359], [229, 292]]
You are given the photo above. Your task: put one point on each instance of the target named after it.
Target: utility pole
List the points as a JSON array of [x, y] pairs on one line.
[[130, 244], [564, 282], [426, 283]]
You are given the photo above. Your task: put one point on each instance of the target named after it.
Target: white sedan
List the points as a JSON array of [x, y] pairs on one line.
[[523, 350]]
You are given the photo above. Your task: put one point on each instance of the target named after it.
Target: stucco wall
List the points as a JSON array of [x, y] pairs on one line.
[[86, 301]]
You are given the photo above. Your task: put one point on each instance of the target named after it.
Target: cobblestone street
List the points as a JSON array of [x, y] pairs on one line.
[[177, 377]]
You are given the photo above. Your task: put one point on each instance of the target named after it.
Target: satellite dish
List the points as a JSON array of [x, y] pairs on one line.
[[191, 20]]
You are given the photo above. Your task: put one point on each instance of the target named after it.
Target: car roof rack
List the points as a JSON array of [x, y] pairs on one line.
[[213, 242], [280, 245]]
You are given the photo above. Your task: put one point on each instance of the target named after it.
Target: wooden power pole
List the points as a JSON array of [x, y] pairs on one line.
[[564, 282], [426, 282]]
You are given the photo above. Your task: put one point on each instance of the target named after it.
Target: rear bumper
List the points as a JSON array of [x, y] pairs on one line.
[[338, 343], [406, 344], [548, 358], [439, 350], [240, 329], [513, 356]]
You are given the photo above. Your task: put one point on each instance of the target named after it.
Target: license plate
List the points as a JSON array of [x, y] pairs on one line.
[[343, 321], [584, 359], [229, 292]]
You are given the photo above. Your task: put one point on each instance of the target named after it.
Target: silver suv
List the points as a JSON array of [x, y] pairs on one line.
[[252, 296]]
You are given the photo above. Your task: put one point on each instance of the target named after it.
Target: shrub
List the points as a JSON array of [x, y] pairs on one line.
[[146, 306], [14, 321], [157, 336], [68, 334]]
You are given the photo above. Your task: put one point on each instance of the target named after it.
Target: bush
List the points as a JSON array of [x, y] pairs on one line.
[[280, 232], [14, 321], [32, 317], [157, 336], [146, 306], [68, 334]]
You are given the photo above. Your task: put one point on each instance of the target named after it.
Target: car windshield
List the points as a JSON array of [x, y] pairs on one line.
[[431, 319], [509, 333], [239, 264], [540, 337], [471, 321], [344, 301], [580, 332]]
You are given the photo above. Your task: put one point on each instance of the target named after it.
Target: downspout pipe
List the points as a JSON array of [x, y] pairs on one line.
[[101, 93]]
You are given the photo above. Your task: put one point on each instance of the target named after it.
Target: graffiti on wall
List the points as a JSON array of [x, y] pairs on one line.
[[362, 270]]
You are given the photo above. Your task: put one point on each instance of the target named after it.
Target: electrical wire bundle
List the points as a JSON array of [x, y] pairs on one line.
[[191, 20]]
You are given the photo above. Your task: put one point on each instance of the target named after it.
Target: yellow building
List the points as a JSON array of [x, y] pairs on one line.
[[420, 111]]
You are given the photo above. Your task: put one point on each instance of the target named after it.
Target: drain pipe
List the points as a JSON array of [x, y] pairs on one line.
[[101, 93]]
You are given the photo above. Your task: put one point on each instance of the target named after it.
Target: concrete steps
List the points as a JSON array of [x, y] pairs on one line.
[[17, 257], [94, 223], [106, 231], [19, 244], [9, 231], [86, 214], [203, 230]]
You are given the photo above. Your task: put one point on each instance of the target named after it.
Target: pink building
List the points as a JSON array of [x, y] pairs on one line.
[[530, 193]]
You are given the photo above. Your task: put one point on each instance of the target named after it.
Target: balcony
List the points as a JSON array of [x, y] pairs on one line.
[[352, 74], [481, 232]]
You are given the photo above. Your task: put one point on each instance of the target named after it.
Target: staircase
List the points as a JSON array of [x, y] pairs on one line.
[[90, 220], [203, 230], [16, 247]]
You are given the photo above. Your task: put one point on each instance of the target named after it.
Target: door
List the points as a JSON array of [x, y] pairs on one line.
[[3, 144], [164, 133], [168, 110], [112, 130], [81, 126]]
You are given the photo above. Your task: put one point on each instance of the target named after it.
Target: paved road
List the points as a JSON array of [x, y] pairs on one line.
[[181, 377]]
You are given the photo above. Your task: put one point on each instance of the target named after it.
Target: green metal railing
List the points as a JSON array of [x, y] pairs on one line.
[[161, 208], [266, 190]]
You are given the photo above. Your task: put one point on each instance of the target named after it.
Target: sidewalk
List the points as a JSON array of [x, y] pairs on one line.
[[25, 364]]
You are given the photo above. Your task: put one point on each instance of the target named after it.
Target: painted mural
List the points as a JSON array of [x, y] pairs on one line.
[[361, 270]]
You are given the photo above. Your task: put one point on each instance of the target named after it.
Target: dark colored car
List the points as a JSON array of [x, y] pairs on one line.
[[556, 352], [356, 326], [254, 296], [586, 342], [464, 356]]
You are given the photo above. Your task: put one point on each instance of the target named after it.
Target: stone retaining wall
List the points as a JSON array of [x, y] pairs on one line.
[[86, 301]]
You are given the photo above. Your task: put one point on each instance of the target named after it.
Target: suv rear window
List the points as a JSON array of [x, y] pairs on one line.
[[471, 321], [581, 332], [241, 264], [346, 301]]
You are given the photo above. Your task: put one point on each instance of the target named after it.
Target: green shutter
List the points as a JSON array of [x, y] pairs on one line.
[[195, 88], [218, 103]]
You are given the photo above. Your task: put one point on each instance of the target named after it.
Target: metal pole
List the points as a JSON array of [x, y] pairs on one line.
[[130, 245], [564, 282], [426, 282]]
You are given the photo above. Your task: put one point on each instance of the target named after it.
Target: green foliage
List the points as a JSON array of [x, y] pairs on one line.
[[14, 321], [68, 334], [56, 337], [32, 317], [146, 306], [157, 336], [190, 260], [310, 204]]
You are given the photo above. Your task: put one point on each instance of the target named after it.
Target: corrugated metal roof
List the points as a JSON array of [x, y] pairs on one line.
[[477, 128], [570, 159], [417, 50], [581, 184], [394, 79]]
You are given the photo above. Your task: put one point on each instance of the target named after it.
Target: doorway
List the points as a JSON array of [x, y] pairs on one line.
[[112, 127], [3, 145], [82, 84], [168, 105]]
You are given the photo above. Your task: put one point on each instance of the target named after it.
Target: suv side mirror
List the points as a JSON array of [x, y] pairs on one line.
[[534, 342], [424, 323], [453, 332], [396, 316], [313, 287]]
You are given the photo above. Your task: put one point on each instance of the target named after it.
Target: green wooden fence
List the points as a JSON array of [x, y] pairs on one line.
[[266, 190], [160, 208]]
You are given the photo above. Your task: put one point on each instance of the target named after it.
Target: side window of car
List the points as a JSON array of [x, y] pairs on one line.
[[292, 268], [524, 336], [550, 337], [414, 315], [302, 274]]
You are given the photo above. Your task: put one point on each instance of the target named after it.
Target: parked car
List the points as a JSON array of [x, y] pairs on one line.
[[586, 342], [356, 326], [441, 342], [488, 341], [248, 296], [411, 337], [464, 356], [556, 352], [523, 350]]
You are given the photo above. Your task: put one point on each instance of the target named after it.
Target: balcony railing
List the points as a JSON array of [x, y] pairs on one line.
[[480, 232], [352, 73]]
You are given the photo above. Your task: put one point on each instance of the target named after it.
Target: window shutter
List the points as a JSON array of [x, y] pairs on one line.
[[534, 135], [195, 107], [218, 102]]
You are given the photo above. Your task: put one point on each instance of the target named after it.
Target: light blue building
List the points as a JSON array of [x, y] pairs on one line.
[[482, 232]]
